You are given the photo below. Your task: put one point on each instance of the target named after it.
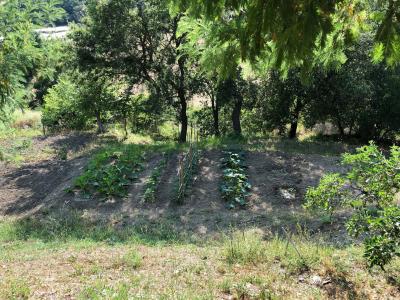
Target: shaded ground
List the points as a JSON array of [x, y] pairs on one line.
[[24, 189]]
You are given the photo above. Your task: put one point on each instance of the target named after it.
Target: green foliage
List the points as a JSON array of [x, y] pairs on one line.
[[152, 184], [235, 186], [62, 106], [132, 259], [287, 33], [293, 33], [245, 247], [18, 47], [188, 166], [369, 188], [327, 195], [111, 171], [127, 40]]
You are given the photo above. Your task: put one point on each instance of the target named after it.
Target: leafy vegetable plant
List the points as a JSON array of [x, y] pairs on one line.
[[111, 171], [235, 186], [369, 188]]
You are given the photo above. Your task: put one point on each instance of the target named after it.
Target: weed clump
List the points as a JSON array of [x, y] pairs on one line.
[[244, 247]]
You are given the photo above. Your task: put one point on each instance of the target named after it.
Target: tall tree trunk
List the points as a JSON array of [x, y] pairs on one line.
[[294, 124], [125, 123], [293, 129], [100, 125], [183, 117], [340, 127], [237, 129], [215, 111]]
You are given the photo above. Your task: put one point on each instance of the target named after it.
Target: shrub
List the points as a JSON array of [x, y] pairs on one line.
[[62, 107], [369, 189]]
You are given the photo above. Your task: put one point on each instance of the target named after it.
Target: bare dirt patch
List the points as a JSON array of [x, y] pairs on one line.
[[25, 188], [278, 180]]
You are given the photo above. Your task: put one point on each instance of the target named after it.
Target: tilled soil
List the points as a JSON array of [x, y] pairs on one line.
[[279, 182], [24, 189]]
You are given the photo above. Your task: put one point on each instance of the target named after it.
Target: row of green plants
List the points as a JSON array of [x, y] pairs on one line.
[[111, 171], [370, 189], [188, 167], [154, 180], [235, 185]]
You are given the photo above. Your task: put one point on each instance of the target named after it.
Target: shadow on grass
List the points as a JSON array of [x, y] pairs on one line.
[[67, 225]]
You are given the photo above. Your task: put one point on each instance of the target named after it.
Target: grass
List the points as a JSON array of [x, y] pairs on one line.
[[242, 265], [63, 254]]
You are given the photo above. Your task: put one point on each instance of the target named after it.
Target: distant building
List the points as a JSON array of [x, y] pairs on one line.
[[59, 32]]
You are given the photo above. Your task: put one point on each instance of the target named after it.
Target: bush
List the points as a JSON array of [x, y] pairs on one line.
[[62, 107], [369, 189]]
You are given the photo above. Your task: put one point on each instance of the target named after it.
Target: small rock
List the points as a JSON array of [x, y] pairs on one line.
[[316, 280]]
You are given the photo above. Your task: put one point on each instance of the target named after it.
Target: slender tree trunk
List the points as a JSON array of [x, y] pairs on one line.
[[125, 121], [100, 125], [215, 111], [181, 87], [183, 117], [237, 129], [293, 130], [294, 124], [340, 127]]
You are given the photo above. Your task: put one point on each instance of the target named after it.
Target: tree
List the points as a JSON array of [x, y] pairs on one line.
[[18, 46], [74, 10], [294, 30], [361, 98], [368, 188], [141, 41]]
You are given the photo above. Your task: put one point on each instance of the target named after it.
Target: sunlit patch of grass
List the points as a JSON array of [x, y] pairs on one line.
[[71, 227], [295, 254], [101, 290], [245, 247], [131, 260], [14, 288]]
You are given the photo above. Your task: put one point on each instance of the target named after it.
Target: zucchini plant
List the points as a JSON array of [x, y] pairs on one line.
[[235, 185], [110, 172]]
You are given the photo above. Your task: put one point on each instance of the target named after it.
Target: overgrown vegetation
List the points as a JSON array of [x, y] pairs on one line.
[[235, 186], [369, 188]]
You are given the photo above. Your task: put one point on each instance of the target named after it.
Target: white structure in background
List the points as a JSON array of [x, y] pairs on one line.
[[59, 32]]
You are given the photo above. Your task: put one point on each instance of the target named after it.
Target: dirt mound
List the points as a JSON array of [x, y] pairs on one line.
[[278, 180]]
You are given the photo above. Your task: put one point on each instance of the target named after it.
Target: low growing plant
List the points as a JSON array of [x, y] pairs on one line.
[[111, 171], [369, 189], [235, 187], [154, 180]]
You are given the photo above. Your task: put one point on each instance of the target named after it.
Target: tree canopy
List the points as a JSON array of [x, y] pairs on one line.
[[293, 31]]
